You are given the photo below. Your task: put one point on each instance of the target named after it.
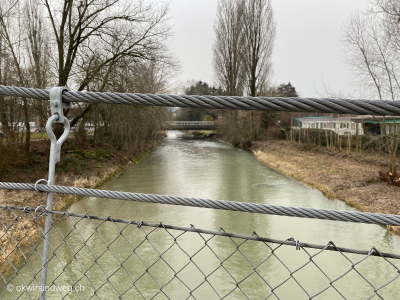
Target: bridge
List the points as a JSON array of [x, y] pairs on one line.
[[189, 125]]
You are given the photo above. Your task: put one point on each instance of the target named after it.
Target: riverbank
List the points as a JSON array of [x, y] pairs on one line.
[[87, 168], [352, 178]]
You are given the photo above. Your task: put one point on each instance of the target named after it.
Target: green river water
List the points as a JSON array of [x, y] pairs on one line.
[[214, 170]]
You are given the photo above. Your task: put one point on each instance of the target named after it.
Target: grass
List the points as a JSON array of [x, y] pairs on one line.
[[44, 136], [207, 131], [41, 135], [337, 175]]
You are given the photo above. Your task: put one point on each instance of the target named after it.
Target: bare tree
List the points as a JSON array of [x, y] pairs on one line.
[[92, 36], [374, 58], [11, 34], [132, 128], [228, 46], [389, 13], [372, 55], [259, 36], [38, 51]]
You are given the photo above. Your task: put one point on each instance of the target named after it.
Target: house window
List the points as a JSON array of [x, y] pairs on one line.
[[313, 125], [334, 125]]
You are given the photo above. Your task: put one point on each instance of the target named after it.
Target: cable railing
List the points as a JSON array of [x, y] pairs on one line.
[[159, 261]]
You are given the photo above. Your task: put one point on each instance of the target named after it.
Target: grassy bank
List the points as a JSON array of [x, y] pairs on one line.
[[352, 178], [89, 168]]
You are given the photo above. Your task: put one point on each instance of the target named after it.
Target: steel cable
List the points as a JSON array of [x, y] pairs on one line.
[[318, 105], [254, 237], [313, 213]]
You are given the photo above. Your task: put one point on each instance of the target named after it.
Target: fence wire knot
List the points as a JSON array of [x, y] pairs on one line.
[[374, 250], [37, 182], [40, 211]]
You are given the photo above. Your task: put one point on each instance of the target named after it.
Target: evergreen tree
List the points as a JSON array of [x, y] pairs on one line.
[[198, 114], [203, 88], [286, 90]]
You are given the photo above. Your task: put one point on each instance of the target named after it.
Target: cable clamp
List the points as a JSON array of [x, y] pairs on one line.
[[297, 245], [57, 106]]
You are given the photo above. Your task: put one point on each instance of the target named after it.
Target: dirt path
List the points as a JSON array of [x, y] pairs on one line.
[[352, 178]]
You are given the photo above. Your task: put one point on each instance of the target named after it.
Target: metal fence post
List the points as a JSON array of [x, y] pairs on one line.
[[55, 151]]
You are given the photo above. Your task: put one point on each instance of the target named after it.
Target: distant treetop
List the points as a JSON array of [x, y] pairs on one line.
[[203, 88], [286, 90]]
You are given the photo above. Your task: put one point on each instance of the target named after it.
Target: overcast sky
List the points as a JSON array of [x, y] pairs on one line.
[[307, 49]]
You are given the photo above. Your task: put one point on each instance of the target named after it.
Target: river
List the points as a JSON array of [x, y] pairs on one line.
[[210, 169]]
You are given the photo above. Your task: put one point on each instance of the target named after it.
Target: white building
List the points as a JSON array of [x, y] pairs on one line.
[[340, 125]]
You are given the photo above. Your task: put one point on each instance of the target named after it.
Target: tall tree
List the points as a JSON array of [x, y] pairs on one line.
[[244, 40], [228, 46], [259, 38], [38, 51]]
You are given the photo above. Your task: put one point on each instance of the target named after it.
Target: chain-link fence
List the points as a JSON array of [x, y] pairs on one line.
[[105, 258]]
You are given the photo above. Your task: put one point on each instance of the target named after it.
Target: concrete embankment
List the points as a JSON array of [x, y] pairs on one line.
[[352, 178]]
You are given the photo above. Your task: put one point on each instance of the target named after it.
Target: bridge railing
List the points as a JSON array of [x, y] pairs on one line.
[[105, 258], [190, 123]]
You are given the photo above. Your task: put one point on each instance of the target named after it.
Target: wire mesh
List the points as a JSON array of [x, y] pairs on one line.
[[105, 258]]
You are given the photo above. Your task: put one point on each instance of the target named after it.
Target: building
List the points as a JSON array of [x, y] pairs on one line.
[[340, 125], [375, 125]]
